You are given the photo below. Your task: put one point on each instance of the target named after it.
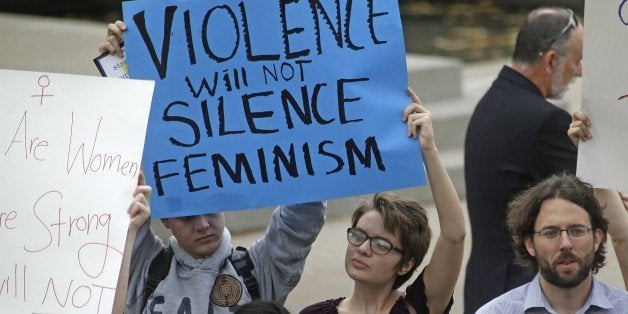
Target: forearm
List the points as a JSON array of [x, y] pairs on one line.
[[279, 257], [123, 277], [450, 216], [623, 260], [444, 267], [301, 221], [615, 213], [145, 247], [617, 217]]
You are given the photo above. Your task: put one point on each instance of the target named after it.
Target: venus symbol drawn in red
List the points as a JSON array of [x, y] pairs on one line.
[[43, 82]]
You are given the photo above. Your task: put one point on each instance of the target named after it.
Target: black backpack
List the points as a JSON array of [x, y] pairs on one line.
[[160, 266]]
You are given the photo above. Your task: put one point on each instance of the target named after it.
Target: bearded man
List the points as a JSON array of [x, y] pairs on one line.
[[559, 231]]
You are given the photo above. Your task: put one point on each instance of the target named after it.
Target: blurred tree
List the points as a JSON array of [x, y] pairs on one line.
[[470, 30], [103, 10], [107, 10], [510, 4]]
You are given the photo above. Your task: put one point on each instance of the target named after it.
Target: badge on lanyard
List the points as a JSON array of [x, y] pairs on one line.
[[227, 291]]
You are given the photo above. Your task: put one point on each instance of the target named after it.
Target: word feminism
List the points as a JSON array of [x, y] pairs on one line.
[[241, 168]]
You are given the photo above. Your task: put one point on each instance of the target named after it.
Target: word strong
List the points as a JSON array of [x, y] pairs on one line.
[[333, 19]]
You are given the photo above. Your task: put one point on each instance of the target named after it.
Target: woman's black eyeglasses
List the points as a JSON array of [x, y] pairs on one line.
[[379, 245]]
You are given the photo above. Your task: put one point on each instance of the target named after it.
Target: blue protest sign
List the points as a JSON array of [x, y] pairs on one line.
[[261, 103]]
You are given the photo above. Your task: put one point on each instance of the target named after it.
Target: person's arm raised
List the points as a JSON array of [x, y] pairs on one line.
[[441, 274], [619, 234], [615, 204], [139, 212]]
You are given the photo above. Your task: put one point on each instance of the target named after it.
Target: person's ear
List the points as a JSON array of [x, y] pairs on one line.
[[405, 267], [529, 245], [597, 238], [550, 57]]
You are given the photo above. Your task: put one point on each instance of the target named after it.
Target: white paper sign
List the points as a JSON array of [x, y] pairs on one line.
[[602, 161], [70, 150]]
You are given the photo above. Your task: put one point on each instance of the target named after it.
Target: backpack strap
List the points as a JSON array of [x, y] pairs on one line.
[[157, 271], [243, 265]]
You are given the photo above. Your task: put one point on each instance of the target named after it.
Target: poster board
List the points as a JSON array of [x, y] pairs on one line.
[[70, 150], [262, 103], [601, 161]]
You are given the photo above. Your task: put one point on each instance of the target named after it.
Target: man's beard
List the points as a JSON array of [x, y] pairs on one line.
[[550, 274], [558, 87]]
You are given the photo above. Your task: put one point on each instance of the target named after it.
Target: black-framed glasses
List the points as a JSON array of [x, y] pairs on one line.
[[379, 245], [571, 22], [574, 233]]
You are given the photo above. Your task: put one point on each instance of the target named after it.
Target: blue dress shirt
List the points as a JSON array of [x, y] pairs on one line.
[[529, 298]]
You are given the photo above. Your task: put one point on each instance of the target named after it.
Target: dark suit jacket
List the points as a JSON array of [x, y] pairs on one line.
[[515, 139]]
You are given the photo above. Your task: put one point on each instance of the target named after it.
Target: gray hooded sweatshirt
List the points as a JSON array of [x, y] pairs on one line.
[[278, 257]]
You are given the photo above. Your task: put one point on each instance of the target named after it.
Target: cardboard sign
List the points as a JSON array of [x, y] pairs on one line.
[[601, 161], [262, 103], [70, 150]]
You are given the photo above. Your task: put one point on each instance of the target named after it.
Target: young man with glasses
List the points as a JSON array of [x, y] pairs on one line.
[[515, 139], [559, 231]]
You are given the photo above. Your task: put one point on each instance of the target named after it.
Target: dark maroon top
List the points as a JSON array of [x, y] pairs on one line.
[[415, 296]]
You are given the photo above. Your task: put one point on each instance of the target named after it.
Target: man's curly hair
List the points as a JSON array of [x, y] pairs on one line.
[[524, 209]]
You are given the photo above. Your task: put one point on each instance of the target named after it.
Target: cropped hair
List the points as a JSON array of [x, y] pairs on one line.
[[541, 31], [406, 219], [524, 209]]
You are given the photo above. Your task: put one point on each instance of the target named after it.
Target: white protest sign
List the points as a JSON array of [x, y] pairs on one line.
[[601, 161], [70, 151]]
